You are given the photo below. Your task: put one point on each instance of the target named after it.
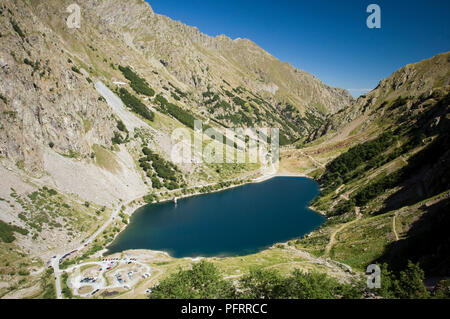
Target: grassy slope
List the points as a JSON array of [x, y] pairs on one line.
[[363, 241]]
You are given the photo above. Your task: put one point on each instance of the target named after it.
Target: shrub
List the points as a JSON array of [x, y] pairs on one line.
[[181, 115], [3, 98], [52, 192], [67, 292], [161, 100], [118, 139], [175, 96], [23, 272], [347, 162], [228, 93], [202, 281], [121, 126], [135, 104], [138, 84], [171, 185], [375, 189], [406, 284], [28, 62], [17, 29], [238, 101], [75, 69], [185, 117], [7, 232], [205, 281], [150, 198], [269, 284], [49, 292], [164, 169], [156, 183]]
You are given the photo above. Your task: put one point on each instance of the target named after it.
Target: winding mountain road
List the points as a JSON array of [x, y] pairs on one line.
[[333, 234], [55, 261]]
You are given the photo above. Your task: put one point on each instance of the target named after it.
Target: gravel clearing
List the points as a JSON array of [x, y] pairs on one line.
[[130, 120]]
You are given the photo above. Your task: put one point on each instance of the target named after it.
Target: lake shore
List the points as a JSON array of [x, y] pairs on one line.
[[282, 213], [131, 208]]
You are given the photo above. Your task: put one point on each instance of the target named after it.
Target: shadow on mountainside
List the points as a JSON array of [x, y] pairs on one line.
[[427, 173], [426, 242]]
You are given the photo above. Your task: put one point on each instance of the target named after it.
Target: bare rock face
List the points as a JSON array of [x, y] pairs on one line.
[[45, 104], [201, 61], [47, 71]]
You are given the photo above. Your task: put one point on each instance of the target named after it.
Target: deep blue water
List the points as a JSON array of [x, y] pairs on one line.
[[237, 221]]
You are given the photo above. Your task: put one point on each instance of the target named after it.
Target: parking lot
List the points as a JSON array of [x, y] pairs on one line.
[[89, 279]]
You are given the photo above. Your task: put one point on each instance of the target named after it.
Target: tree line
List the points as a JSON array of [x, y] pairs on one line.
[[204, 281]]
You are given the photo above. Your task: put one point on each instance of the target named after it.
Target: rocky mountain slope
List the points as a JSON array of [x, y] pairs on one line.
[[384, 172], [201, 61], [46, 66], [87, 116]]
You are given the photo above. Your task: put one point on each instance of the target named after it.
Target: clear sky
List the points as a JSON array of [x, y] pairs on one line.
[[329, 39]]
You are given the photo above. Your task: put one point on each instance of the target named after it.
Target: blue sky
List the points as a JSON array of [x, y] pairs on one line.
[[329, 39]]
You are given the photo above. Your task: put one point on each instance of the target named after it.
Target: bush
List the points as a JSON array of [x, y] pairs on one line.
[[7, 232], [75, 69], [268, 284], [200, 282], [67, 292], [121, 126], [344, 207], [228, 93], [150, 198], [176, 97], [3, 98], [138, 84], [340, 168], [118, 139], [164, 169], [34, 65], [23, 272], [52, 192], [238, 101], [171, 185], [17, 28], [406, 284], [49, 292], [181, 115], [161, 100], [205, 281], [135, 104], [442, 290], [156, 183]]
